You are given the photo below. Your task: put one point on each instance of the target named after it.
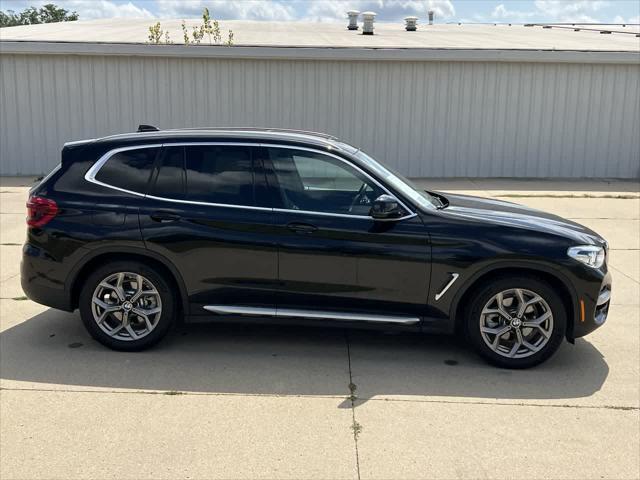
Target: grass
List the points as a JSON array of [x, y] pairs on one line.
[[352, 389], [357, 429]]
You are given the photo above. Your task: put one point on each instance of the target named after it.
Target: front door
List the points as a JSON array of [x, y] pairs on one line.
[[334, 259], [206, 215]]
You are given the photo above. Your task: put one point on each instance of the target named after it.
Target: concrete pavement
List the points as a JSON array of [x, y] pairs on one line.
[[224, 401]]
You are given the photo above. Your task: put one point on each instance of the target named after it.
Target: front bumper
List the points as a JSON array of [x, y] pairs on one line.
[[593, 307]]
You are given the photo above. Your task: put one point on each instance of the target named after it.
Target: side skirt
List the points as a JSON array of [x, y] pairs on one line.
[[310, 314]]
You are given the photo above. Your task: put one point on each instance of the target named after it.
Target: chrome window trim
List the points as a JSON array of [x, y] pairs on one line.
[[93, 171], [209, 204], [344, 215], [313, 314], [90, 176]]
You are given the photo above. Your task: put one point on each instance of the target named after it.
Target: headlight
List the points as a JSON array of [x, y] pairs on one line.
[[590, 255]]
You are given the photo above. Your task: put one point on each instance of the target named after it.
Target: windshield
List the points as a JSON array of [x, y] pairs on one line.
[[400, 183]]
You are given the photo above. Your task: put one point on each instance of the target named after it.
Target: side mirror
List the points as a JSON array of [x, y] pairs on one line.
[[386, 207]]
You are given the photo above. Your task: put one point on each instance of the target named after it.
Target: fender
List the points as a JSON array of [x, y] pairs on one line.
[[511, 264], [131, 250]]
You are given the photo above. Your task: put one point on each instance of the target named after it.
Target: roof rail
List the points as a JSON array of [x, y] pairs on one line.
[[263, 129], [147, 128]]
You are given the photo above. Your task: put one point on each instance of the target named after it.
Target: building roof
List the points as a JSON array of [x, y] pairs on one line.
[[336, 35]]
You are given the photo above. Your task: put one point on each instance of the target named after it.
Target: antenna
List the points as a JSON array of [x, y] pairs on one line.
[[147, 128]]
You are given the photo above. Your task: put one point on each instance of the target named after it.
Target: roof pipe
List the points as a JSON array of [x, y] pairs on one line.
[[367, 22], [353, 19], [411, 24]]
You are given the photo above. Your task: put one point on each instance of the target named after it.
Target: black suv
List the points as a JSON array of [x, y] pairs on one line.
[[139, 230]]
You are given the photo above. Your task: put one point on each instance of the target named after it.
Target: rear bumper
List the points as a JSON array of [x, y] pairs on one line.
[[37, 281]]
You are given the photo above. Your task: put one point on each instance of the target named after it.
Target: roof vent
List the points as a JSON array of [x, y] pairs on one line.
[[367, 22], [412, 24], [147, 128], [353, 19], [431, 13]]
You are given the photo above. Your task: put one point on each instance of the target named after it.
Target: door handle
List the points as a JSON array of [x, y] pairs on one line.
[[164, 217], [302, 227]]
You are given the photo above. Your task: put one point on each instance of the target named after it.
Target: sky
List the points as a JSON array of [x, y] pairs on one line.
[[466, 11]]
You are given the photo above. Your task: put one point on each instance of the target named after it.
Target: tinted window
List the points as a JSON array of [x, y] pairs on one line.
[[129, 169], [170, 182], [316, 182], [219, 174]]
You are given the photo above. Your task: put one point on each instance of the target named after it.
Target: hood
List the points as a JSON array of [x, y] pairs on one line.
[[510, 214]]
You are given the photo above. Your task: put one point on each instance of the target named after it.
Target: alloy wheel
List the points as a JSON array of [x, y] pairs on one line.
[[516, 323], [126, 306]]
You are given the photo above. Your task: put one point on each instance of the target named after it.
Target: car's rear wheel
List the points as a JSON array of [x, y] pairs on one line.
[[516, 322], [127, 306]]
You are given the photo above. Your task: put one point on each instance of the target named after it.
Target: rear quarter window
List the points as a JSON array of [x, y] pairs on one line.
[[129, 170]]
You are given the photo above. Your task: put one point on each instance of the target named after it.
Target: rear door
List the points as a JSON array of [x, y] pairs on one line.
[[206, 213]]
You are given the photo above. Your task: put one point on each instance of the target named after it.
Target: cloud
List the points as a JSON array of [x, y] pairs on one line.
[[387, 10], [549, 11], [570, 12], [225, 9], [630, 20], [320, 11], [503, 12], [87, 9]]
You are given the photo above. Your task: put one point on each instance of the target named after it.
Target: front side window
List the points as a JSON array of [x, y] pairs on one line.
[[129, 169], [406, 187], [219, 174], [315, 182]]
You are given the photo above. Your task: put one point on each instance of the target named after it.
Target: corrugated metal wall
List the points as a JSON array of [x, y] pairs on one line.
[[427, 119]]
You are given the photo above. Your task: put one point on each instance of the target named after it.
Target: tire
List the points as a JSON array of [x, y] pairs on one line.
[[539, 330], [132, 324]]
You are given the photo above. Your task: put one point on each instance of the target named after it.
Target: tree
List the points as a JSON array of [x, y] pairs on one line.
[[48, 13]]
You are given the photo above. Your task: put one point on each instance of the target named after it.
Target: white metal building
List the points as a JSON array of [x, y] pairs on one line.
[[445, 101]]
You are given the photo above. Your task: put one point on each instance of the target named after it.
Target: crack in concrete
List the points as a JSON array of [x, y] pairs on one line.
[[362, 399], [355, 426], [614, 196], [613, 267], [508, 404]]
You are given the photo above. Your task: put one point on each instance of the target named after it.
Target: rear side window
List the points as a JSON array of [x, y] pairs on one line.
[[129, 170], [220, 174]]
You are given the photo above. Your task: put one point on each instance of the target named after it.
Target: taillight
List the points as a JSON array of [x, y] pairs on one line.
[[40, 211]]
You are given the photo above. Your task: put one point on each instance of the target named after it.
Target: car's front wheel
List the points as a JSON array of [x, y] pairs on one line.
[[516, 322], [126, 305]]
